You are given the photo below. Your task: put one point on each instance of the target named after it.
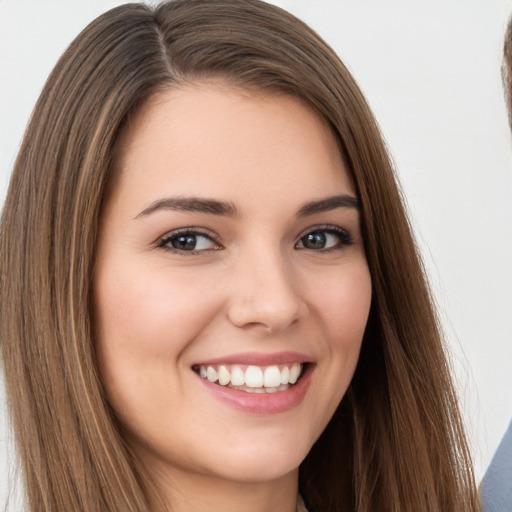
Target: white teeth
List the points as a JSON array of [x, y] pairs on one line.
[[295, 372], [271, 377], [237, 376], [254, 379], [224, 376], [211, 374]]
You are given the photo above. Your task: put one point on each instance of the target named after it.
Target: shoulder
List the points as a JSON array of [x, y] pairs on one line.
[[496, 486]]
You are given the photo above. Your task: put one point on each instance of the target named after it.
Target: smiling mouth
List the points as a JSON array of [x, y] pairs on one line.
[[251, 378]]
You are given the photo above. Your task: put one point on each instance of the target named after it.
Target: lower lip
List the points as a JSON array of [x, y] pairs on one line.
[[262, 403]]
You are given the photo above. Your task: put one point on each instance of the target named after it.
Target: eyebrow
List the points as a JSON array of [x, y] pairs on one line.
[[228, 209], [193, 204], [329, 203]]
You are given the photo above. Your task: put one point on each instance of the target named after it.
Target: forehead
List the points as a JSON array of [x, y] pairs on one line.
[[214, 138]]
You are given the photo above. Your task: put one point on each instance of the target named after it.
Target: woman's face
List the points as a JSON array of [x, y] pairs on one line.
[[229, 250]]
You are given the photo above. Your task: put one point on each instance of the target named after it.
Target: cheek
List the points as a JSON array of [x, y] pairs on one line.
[[150, 311], [143, 322], [343, 304]]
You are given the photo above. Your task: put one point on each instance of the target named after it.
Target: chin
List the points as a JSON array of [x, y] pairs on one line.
[[260, 461], [250, 470]]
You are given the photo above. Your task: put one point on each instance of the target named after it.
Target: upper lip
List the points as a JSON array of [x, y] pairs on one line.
[[258, 359]]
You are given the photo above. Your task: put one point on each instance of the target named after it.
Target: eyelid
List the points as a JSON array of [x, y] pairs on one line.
[[323, 227], [344, 234], [192, 230]]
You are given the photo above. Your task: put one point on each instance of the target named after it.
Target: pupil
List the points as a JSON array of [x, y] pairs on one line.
[[315, 240], [185, 242]]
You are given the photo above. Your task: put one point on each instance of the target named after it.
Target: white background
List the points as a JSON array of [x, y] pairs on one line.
[[430, 70]]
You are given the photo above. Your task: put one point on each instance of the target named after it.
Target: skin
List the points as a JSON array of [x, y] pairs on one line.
[[251, 285]]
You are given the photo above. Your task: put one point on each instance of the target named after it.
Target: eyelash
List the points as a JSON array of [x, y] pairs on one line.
[[343, 236], [193, 232]]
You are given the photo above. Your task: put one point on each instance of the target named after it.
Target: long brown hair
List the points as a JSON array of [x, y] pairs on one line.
[[396, 442]]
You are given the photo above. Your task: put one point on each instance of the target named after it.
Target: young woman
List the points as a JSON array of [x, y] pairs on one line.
[[210, 296]]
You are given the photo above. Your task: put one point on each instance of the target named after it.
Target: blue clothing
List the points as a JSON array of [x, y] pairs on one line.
[[496, 486]]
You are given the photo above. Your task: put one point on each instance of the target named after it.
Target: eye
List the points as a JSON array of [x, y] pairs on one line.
[[324, 238], [191, 241]]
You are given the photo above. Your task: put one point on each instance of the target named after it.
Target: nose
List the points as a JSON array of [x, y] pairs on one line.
[[265, 293]]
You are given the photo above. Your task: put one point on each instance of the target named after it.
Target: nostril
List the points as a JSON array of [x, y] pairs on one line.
[[264, 317]]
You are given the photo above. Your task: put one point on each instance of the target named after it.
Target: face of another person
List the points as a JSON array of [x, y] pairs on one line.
[[231, 288]]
